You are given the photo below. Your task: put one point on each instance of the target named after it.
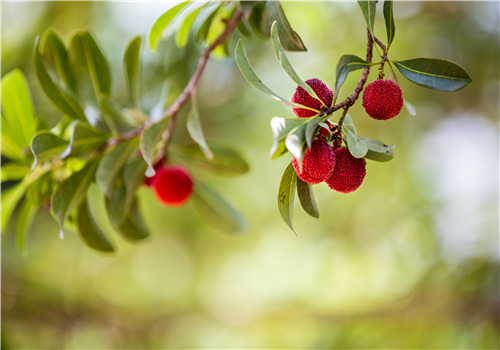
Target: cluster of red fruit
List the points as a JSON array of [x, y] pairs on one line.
[[171, 184], [382, 100]]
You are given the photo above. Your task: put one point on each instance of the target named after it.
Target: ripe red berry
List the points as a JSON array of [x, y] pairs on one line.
[[317, 164], [348, 173], [301, 96], [172, 185], [382, 99]]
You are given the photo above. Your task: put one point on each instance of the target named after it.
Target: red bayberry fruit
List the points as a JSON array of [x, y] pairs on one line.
[[382, 99], [348, 173], [301, 96], [172, 185], [318, 163]]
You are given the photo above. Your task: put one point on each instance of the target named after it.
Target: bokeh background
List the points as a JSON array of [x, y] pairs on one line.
[[410, 260]]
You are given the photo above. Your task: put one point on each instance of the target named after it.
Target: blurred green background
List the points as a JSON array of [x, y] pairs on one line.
[[410, 260]]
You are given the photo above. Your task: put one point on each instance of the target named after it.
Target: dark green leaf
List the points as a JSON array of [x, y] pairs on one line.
[[112, 164], [133, 227], [116, 205], [131, 62], [46, 146], [161, 24], [25, 219], [286, 194], [281, 127], [70, 193], [133, 175], [9, 200], [389, 21], [195, 130], [13, 171], [356, 146], [379, 157], [376, 145], [84, 138], [216, 211], [368, 8], [150, 139], [306, 197], [62, 100], [347, 64], [90, 232], [433, 73], [226, 161]]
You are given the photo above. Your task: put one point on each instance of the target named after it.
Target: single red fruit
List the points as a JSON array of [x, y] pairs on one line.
[[172, 185], [382, 99], [348, 173], [302, 97], [318, 163]]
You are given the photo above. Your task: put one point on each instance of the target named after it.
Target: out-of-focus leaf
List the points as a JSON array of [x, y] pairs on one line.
[[161, 24], [70, 193], [368, 8], [281, 127], [356, 146], [379, 157], [206, 18], [133, 227], [62, 100], [182, 36], [347, 64], [24, 220], [13, 171], [216, 211], [90, 232], [389, 21], [306, 198], [433, 73], [114, 118], [46, 146], [133, 176], [195, 130], [9, 200], [17, 109], [131, 62], [149, 143], [112, 164], [116, 205], [410, 108], [286, 194], [84, 138], [226, 161]]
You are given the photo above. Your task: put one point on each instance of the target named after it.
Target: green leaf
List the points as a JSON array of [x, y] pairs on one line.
[[9, 200], [312, 128], [25, 218], [306, 198], [287, 66], [195, 130], [90, 232], [216, 211], [349, 124], [254, 80], [286, 194], [70, 193], [62, 100], [150, 139], [379, 157], [13, 171], [17, 109], [347, 64], [161, 24], [433, 73], [206, 18], [116, 205], [84, 139], [295, 142], [389, 21], [182, 36], [46, 146], [376, 145], [368, 8], [131, 67], [112, 164], [113, 117], [281, 127], [133, 176], [226, 161], [356, 146], [10, 143], [133, 227]]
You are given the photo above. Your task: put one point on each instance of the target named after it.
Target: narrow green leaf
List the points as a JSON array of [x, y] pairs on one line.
[[11, 147], [62, 100], [133, 227], [226, 161], [112, 164], [13, 171], [379, 157], [131, 62], [281, 127], [349, 124], [84, 138], [216, 211], [25, 218], [90, 232], [46, 146], [368, 8], [433, 73], [150, 139], [9, 200], [306, 198], [133, 176], [356, 146], [17, 108], [312, 128], [376, 145], [286, 194], [182, 36], [195, 130], [345, 65], [70, 193], [161, 24], [116, 205], [389, 21], [254, 80], [206, 17]]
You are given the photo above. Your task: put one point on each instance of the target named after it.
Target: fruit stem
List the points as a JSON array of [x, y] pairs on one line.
[[384, 58]]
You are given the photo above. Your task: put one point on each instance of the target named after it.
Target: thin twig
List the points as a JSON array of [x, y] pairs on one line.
[[384, 57]]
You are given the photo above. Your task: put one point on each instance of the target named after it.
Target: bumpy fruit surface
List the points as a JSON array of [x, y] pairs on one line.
[[172, 185], [317, 164], [301, 96], [348, 173], [382, 99]]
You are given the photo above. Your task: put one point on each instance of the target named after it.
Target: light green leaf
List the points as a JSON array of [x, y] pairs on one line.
[[349, 124], [9, 200], [25, 218], [433, 73], [150, 139], [195, 130], [216, 211], [13, 171], [286, 195], [46, 146], [410, 108], [161, 24], [206, 17], [368, 8], [131, 62], [90, 232], [281, 127], [376, 145], [389, 21], [345, 65], [306, 198], [379, 157], [182, 36], [84, 138], [356, 146]]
